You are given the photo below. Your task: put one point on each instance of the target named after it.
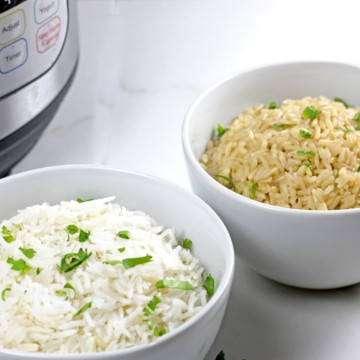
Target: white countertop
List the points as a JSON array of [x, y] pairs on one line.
[[142, 63]]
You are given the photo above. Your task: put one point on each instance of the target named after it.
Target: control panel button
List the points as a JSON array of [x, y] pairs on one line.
[[48, 34], [13, 56], [45, 9], [12, 26]]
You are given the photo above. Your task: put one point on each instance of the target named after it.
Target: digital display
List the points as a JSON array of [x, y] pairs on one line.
[[6, 5]]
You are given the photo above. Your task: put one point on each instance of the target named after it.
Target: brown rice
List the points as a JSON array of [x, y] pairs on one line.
[[268, 155]]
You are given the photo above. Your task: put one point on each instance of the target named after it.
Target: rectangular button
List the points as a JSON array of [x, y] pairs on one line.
[[45, 9], [13, 56], [12, 26], [48, 34]]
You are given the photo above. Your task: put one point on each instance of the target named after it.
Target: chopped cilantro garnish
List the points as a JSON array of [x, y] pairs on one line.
[[3, 293], [187, 243], [230, 181], [341, 101], [305, 134], [83, 309], [357, 117], [149, 309], [159, 332], [82, 200], [7, 234], [209, 285], [121, 250], [61, 292], [252, 189], [272, 105], [72, 260], [149, 324], [113, 262], [308, 154], [336, 174], [311, 113], [310, 166], [358, 169], [29, 253], [173, 284], [38, 271], [346, 129], [19, 265], [69, 286], [282, 126], [220, 130], [71, 230], [131, 262], [124, 234], [84, 235], [220, 356]]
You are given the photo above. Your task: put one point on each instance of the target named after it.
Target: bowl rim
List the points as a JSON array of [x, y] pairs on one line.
[[221, 292], [228, 194]]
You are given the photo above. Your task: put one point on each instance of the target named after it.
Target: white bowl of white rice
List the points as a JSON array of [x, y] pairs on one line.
[[276, 152], [98, 263]]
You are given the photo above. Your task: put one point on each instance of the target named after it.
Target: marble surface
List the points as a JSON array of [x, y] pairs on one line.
[[142, 63]]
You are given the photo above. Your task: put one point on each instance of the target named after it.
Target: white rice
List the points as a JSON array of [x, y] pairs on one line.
[[35, 318]]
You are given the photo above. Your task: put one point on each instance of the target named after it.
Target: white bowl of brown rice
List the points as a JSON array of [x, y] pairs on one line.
[[99, 263], [276, 152]]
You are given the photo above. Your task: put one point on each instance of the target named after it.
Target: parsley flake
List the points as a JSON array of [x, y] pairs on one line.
[[69, 286], [3, 293], [159, 332], [29, 253], [305, 134], [220, 130], [272, 105], [149, 309], [71, 230], [311, 113], [19, 265], [342, 102], [7, 234], [230, 181], [83, 309], [82, 200], [357, 117], [72, 260], [84, 235], [336, 174], [186, 244], [121, 250], [253, 189], [220, 356], [282, 126], [209, 285], [113, 262], [60, 292], [132, 262], [124, 234], [308, 154], [173, 284]]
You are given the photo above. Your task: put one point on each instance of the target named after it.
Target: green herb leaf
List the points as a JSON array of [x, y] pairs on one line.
[[71, 230], [7, 234], [61, 292], [83, 309], [272, 105], [187, 243], [341, 101], [220, 356], [19, 265], [69, 286], [311, 113], [253, 189], [149, 309], [84, 235], [38, 271], [336, 174], [3, 293], [29, 253], [230, 181], [282, 126], [131, 262], [305, 134], [72, 260], [209, 285], [113, 262], [82, 200], [308, 165], [124, 234], [220, 130], [149, 324], [121, 250], [357, 117], [173, 284], [159, 332], [308, 154], [346, 129], [358, 169]]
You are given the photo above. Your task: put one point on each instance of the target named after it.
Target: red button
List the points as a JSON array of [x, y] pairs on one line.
[[48, 34]]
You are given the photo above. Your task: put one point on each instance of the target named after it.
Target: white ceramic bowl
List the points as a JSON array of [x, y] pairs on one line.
[[169, 205], [311, 249]]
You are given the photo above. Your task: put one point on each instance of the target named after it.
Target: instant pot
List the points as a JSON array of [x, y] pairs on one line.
[[38, 58]]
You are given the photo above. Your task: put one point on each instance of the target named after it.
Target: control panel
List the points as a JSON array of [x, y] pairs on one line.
[[32, 34]]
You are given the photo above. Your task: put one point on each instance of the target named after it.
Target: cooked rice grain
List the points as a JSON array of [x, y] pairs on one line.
[[255, 151]]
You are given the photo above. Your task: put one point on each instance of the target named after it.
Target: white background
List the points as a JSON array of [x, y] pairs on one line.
[[142, 63]]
